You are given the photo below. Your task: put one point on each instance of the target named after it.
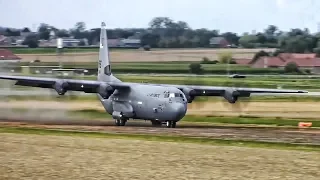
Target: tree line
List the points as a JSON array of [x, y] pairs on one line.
[[164, 32]]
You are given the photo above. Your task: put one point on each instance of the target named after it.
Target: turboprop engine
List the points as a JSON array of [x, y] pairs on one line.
[[189, 93], [231, 95], [105, 91], [60, 87]]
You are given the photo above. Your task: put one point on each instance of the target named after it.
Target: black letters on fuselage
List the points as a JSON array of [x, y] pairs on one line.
[[154, 95]]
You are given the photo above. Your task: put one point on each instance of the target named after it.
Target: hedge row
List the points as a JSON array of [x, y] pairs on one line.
[[186, 71], [175, 71], [43, 50]]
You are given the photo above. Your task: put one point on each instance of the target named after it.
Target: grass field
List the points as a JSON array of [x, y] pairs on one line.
[[90, 156], [257, 81], [159, 55], [172, 67], [48, 50]]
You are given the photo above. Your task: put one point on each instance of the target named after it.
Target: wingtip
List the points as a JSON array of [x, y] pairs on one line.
[[303, 91]]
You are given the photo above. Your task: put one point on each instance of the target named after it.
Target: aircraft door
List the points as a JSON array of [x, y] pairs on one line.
[[139, 108]]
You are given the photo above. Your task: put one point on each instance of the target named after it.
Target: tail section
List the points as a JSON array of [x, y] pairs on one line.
[[104, 67]]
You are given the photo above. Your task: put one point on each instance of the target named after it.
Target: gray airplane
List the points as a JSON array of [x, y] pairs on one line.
[[159, 103]]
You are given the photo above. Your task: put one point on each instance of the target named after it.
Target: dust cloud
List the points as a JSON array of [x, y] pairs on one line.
[[10, 92]]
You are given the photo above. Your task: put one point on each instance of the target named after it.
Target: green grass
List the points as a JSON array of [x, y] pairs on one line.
[[44, 50], [53, 97], [170, 67], [179, 139], [260, 82], [49, 50], [93, 97], [264, 99]]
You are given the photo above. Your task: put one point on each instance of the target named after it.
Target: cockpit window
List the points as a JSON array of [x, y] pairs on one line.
[[172, 95], [175, 95]]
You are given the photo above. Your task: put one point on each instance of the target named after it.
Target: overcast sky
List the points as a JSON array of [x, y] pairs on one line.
[[226, 15]]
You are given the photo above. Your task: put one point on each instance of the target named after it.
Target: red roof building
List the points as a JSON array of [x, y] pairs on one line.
[[266, 62], [297, 56], [242, 61], [8, 56], [305, 61]]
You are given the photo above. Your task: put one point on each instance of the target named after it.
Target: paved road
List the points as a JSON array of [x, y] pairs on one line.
[[288, 135]]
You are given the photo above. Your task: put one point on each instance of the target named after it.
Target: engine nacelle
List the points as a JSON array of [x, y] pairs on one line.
[[189, 93], [60, 87], [105, 91], [231, 95]]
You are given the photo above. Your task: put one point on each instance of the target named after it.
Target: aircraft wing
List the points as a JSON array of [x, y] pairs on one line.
[[229, 93], [63, 85], [207, 90]]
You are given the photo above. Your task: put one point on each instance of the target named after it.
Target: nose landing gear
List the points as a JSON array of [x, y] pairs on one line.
[[120, 122]]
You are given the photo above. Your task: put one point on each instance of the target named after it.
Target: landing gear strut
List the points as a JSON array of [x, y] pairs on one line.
[[171, 124], [156, 123]]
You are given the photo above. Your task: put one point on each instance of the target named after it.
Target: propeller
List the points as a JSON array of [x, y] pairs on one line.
[[69, 95], [60, 93], [234, 100]]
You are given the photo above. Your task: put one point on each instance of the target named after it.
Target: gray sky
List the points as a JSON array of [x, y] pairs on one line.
[[226, 15]]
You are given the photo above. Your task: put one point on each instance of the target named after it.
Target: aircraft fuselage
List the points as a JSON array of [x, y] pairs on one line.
[[147, 102]]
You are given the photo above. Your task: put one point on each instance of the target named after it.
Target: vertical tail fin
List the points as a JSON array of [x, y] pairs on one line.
[[104, 67]]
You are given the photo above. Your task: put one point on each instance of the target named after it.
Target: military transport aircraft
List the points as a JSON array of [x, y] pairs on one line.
[[159, 103]]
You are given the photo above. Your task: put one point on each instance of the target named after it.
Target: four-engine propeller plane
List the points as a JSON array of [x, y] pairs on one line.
[[159, 103]]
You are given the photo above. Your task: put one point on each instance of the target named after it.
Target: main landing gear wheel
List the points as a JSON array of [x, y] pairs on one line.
[[171, 124], [120, 122]]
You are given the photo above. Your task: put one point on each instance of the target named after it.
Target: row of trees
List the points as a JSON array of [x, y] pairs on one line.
[[163, 32]]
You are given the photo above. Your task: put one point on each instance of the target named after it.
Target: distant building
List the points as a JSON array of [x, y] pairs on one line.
[[131, 42], [297, 55], [5, 41], [135, 43], [268, 62], [115, 43], [26, 32], [242, 61], [219, 42], [7, 56], [67, 42], [70, 42], [303, 61]]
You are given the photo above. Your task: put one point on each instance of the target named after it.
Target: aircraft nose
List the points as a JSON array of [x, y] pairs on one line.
[[179, 110]]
